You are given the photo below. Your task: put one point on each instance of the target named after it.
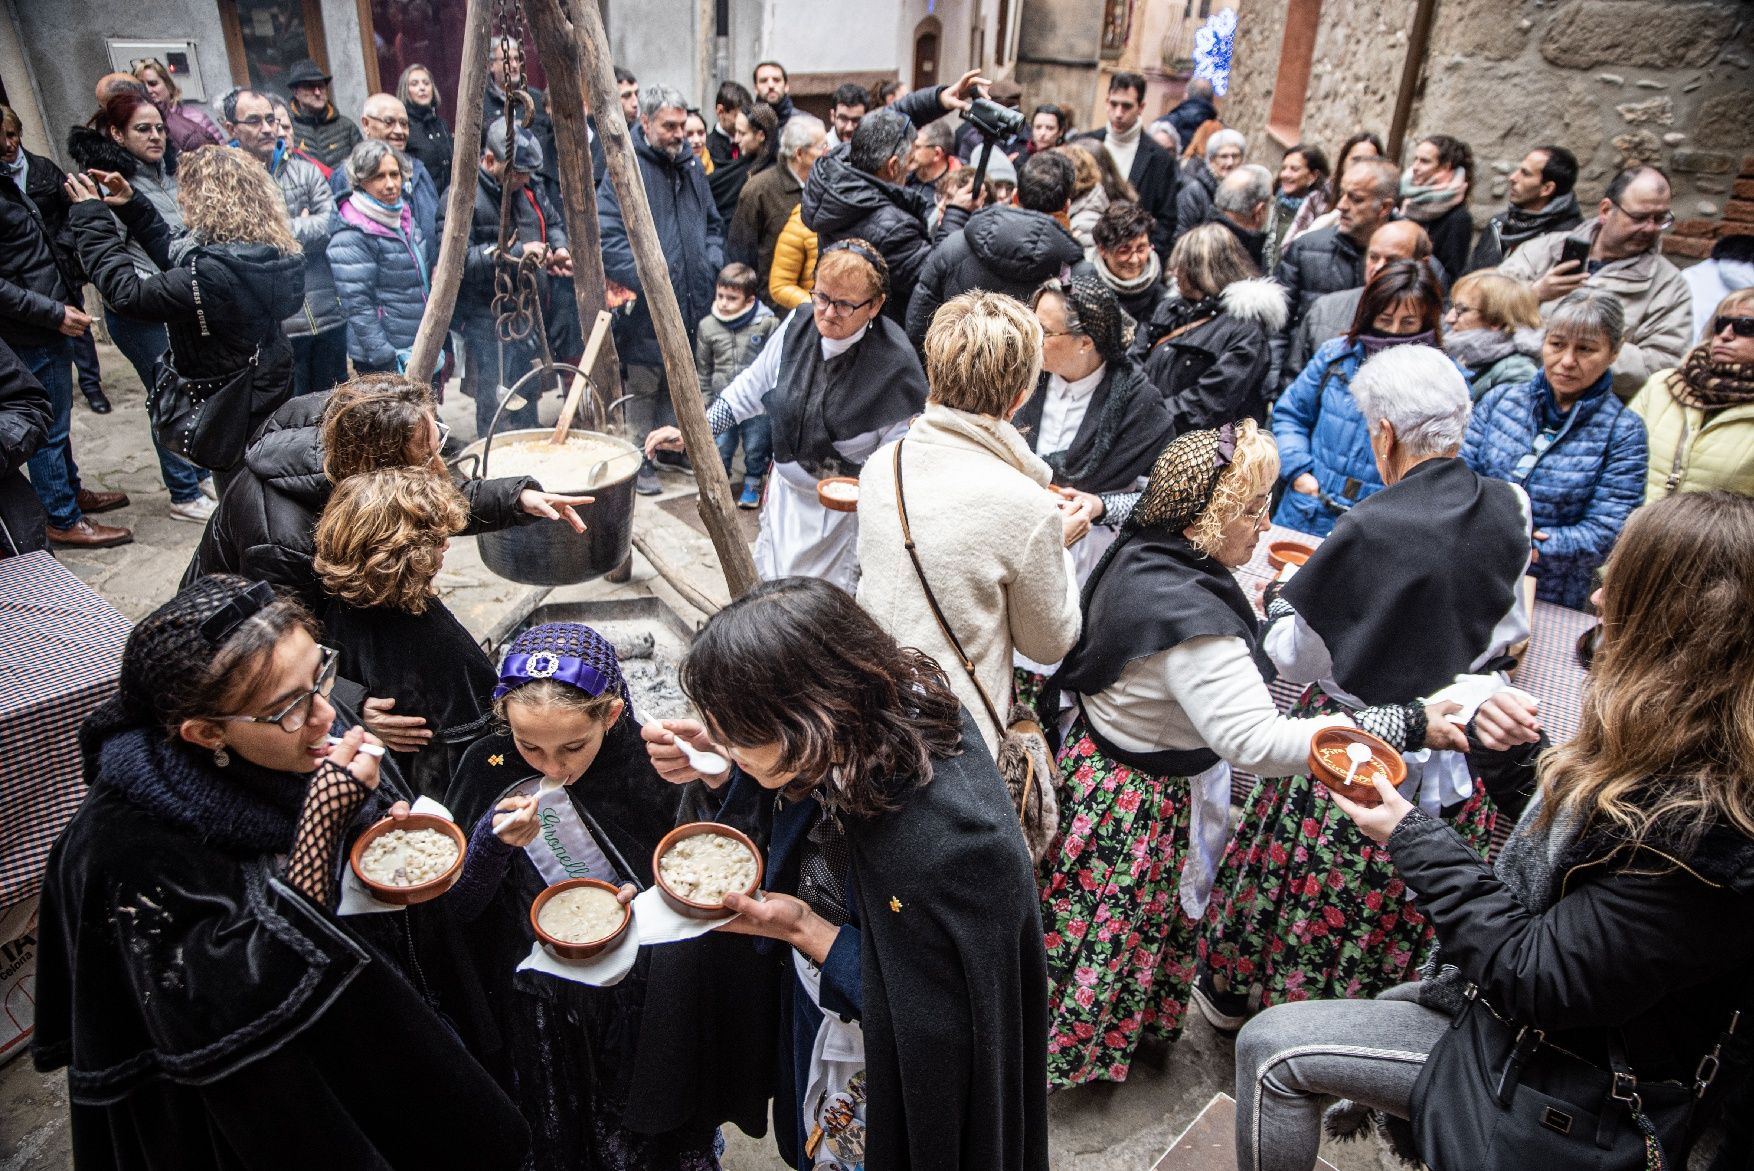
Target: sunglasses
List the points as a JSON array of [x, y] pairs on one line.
[[1740, 326]]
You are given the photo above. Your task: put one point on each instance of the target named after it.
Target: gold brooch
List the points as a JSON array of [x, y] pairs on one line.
[[496, 758], [895, 904]]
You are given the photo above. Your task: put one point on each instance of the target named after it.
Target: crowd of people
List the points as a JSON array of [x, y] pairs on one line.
[[1076, 375]]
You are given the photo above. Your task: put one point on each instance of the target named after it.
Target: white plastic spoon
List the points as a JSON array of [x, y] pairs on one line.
[[707, 764], [1358, 754]]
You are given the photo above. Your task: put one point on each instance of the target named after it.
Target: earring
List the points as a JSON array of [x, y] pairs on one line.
[[221, 757]]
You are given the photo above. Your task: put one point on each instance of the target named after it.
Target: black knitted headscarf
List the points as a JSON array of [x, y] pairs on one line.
[[1093, 310]]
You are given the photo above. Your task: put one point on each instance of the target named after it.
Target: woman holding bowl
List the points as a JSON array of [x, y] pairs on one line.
[[210, 1009], [912, 1024], [1416, 587]]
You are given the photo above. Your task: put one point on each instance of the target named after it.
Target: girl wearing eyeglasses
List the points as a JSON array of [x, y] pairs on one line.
[[210, 1008], [1700, 416]]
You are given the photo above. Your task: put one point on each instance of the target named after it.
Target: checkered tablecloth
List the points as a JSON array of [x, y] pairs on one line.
[[60, 652]]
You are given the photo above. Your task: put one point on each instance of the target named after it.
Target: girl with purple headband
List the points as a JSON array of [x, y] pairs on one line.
[[563, 789]]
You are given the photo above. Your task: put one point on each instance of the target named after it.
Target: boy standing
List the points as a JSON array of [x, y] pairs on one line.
[[726, 343]]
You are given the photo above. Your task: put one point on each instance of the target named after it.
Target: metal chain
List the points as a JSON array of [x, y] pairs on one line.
[[517, 284]]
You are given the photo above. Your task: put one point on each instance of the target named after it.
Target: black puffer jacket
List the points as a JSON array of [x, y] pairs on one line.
[[328, 136], [534, 222], [841, 202], [1194, 200], [264, 528], [246, 289], [1002, 250], [429, 140], [34, 289], [1216, 372], [25, 417], [1317, 263]]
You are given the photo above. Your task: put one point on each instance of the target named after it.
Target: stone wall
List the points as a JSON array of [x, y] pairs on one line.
[[1615, 81]]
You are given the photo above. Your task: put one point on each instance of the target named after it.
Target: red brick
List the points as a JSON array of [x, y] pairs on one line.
[[1687, 246], [1699, 229], [1744, 189], [1740, 210], [1747, 166]]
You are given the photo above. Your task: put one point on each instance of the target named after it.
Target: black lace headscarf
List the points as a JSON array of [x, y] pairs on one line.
[[1093, 310]]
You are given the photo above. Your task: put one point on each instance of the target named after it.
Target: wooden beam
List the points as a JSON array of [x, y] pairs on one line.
[[557, 50], [368, 48], [447, 273], [717, 509]]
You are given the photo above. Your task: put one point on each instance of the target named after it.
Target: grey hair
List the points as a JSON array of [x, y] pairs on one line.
[[1224, 138], [660, 97], [801, 130], [882, 135], [363, 163], [1421, 394], [1589, 311], [1244, 189]]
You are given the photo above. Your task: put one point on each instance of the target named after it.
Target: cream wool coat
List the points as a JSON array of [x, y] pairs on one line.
[[1715, 452], [989, 537]]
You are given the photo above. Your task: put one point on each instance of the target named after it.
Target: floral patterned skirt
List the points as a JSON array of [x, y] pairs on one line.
[[1308, 908], [1120, 947]]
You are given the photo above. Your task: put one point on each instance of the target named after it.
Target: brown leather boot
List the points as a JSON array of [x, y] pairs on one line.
[[90, 501], [86, 535]]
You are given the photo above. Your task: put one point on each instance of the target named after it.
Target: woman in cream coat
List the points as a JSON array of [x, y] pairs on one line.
[[989, 533]]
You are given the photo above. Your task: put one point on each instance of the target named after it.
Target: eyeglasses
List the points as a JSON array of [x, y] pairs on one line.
[[1662, 220], [150, 129], [1740, 326], [828, 304], [1257, 515], [253, 120], [444, 430], [1047, 333], [1132, 251], [1457, 309], [392, 122], [296, 714]]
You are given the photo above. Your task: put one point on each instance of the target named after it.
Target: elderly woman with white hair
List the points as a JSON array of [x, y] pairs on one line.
[[1415, 590], [1201, 176], [378, 256]]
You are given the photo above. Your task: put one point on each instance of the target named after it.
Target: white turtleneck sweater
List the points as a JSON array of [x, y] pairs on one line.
[[1122, 147]]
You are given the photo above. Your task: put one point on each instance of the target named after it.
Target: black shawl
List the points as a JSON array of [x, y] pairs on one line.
[[815, 403], [1407, 590], [1124, 427]]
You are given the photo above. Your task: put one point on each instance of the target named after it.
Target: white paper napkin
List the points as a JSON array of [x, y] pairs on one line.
[[658, 922], [355, 898], [601, 970]]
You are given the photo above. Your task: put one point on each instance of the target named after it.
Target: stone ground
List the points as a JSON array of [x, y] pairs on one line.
[[1102, 1127]]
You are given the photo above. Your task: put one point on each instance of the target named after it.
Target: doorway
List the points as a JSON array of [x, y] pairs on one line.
[[928, 40]]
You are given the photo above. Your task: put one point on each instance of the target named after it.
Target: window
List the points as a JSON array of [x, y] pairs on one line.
[[264, 39], [1291, 86]]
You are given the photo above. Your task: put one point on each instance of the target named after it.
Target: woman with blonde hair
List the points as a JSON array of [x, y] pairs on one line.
[[1700, 417], [1167, 694], [989, 536], [188, 127], [429, 139], [380, 544], [222, 303], [1493, 331]]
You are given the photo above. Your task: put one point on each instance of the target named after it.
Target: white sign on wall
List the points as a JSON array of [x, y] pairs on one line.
[[178, 56]]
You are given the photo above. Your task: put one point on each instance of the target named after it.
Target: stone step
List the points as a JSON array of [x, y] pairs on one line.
[[1209, 1142]]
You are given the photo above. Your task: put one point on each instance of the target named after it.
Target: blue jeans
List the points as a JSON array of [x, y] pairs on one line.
[[141, 342], [757, 435], [53, 473], [319, 360]]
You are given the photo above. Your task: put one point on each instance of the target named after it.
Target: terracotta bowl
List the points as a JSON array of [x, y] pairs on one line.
[[407, 896], [1333, 775], [835, 503], [1283, 553], [568, 949], [689, 907]]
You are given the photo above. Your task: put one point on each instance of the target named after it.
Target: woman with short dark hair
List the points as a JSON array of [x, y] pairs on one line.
[[912, 1028], [378, 257], [1434, 193], [1125, 260], [1047, 127]]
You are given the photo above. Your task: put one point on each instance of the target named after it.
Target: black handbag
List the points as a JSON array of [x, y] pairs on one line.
[[205, 421], [1495, 1095]]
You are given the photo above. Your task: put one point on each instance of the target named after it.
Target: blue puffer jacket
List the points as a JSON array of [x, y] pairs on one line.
[[382, 278], [1320, 430], [1582, 487]]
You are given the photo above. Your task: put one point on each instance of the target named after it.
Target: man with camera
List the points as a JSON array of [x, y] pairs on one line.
[[1153, 171]]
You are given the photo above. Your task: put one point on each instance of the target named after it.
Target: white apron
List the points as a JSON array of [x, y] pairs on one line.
[[799, 537]]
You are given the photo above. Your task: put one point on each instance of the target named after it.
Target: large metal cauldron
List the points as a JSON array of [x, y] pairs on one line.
[[548, 552]]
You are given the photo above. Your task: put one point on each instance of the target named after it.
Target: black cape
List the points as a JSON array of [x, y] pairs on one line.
[[953, 971], [650, 1051], [1408, 588], [1124, 428], [815, 403], [211, 1017]]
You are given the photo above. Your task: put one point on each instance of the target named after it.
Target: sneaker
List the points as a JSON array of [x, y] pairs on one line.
[[751, 497], [646, 483], [208, 488], [195, 511], [1216, 1017]]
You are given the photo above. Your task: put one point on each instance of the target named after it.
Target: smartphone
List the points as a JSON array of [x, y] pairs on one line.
[[1578, 250]]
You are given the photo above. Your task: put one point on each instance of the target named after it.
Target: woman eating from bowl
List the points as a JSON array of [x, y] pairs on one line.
[[836, 382], [1617, 927], [1168, 694], [1493, 330], [1567, 440], [564, 790], [911, 1030], [1325, 455], [1700, 418], [1416, 589], [380, 544], [210, 1009]]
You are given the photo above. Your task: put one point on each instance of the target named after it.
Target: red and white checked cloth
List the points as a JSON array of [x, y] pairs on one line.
[[60, 654]]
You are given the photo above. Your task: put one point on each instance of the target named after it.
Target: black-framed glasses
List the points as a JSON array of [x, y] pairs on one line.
[[297, 713], [1662, 220], [253, 120], [1740, 326], [827, 304]]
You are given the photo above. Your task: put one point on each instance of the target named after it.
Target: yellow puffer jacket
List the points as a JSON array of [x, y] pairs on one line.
[[794, 264], [1702, 453]]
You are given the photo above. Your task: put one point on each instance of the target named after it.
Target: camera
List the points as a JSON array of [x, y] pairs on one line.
[[993, 120]]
